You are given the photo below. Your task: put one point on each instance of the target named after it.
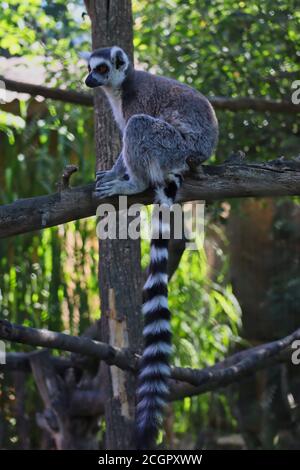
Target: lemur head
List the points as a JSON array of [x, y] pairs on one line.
[[107, 67]]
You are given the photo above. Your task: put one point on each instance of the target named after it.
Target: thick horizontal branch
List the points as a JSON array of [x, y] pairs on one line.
[[230, 180], [223, 103], [57, 94], [186, 381], [234, 369], [254, 104]]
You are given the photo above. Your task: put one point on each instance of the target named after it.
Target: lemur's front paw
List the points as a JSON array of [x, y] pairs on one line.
[[103, 177], [107, 189]]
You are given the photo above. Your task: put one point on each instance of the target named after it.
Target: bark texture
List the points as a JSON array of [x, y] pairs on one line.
[[215, 182]]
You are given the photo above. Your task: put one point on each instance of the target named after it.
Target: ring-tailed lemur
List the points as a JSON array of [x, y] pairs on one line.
[[163, 122]]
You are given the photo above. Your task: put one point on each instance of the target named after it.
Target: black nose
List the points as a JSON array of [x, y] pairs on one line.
[[91, 81]]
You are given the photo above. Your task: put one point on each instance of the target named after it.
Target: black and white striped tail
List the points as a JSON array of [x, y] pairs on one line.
[[155, 369]]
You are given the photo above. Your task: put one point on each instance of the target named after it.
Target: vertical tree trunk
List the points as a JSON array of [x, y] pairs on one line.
[[119, 262]]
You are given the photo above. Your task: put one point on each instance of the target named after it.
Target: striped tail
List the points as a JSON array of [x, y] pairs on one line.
[[153, 388]]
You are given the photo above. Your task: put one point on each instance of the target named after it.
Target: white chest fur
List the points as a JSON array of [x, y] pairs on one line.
[[115, 100]]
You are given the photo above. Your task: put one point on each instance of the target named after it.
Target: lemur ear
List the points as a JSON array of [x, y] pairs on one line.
[[85, 55], [119, 58]]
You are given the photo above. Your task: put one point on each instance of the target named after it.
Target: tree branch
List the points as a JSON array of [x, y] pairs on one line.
[[85, 99], [254, 104], [186, 381], [66, 96], [78, 344], [20, 361], [230, 180]]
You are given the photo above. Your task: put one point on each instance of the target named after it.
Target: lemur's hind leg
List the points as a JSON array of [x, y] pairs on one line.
[[152, 151]]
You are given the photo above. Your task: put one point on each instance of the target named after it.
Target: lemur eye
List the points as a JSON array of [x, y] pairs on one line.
[[102, 68]]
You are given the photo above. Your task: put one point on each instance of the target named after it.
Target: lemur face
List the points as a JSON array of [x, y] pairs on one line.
[[107, 67]]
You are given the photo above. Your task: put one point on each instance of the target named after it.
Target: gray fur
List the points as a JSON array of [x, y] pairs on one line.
[[162, 122]]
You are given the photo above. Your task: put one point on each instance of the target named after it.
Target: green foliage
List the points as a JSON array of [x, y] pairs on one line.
[[47, 279], [205, 326], [53, 32]]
